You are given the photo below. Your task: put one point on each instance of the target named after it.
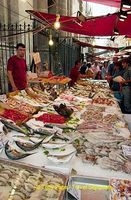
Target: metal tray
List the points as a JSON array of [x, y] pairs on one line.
[[30, 168], [88, 188]]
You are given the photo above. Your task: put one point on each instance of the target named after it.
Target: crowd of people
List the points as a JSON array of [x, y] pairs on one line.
[[117, 73]]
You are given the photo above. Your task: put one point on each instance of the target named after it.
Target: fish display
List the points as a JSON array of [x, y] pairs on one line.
[[12, 126], [20, 106], [26, 146], [19, 183], [63, 110], [14, 154], [14, 115], [120, 189], [51, 118], [88, 115], [103, 149]]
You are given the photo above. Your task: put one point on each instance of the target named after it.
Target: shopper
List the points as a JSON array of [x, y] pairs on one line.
[[95, 68], [89, 71], [74, 73], [16, 69], [104, 70], [98, 75], [83, 68], [118, 71], [111, 69], [126, 86]]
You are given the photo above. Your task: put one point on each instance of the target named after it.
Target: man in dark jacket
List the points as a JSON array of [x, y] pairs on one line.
[[83, 68], [126, 86]]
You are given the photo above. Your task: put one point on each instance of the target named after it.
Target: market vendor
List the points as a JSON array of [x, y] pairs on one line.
[[16, 69], [126, 85], [74, 73]]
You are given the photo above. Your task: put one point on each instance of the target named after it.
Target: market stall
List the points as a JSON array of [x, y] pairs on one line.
[[81, 129]]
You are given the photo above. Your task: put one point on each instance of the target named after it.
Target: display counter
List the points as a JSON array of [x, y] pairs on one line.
[[52, 80], [81, 129], [19, 181]]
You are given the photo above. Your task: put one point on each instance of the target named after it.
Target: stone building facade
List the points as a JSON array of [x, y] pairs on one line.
[[14, 23]]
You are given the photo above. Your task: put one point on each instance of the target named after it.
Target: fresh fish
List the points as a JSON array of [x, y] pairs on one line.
[[21, 137], [29, 129], [26, 146], [39, 131], [42, 132], [12, 126], [33, 139], [5, 130], [13, 154], [48, 126], [61, 137], [107, 163], [38, 139]]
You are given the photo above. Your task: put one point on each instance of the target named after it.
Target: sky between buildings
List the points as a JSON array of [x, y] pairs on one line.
[[98, 10]]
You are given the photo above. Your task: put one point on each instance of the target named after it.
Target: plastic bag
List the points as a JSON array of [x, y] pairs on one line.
[[118, 79]]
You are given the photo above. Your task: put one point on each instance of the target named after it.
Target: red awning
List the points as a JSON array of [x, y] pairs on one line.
[[113, 3], [84, 44], [95, 26]]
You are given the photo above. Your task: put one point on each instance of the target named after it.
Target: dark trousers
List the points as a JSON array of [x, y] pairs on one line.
[[126, 91]]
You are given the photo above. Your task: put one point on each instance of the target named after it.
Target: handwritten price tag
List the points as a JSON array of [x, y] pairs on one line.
[[126, 150]]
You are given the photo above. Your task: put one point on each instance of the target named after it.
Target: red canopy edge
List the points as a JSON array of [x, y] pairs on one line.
[[116, 49], [84, 44], [95, 26], [112, 3]]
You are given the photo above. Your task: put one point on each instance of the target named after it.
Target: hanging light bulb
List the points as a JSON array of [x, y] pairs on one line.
[[123, 14], [129, 12], [50, 40], [126, 4], [57, 23], [116, 31], [121, 19]]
